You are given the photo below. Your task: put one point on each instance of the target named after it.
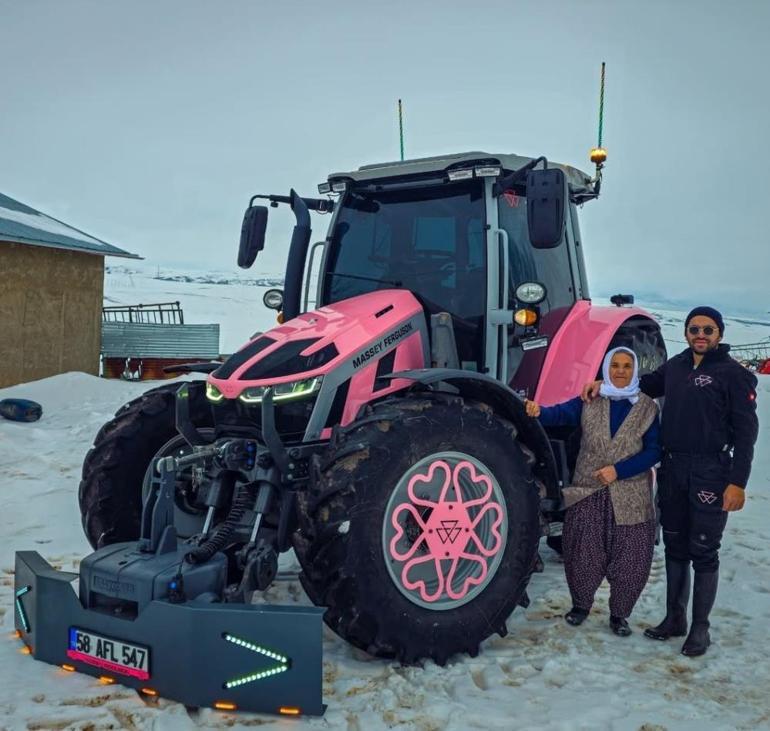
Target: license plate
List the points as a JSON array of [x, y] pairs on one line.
[[109, 654]]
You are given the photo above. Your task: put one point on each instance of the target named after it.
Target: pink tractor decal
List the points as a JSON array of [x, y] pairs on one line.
[[446, 532]]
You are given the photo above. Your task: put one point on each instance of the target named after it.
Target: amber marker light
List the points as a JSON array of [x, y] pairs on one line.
[[150, 692], [225, 706], [106, 680], [26, 650], [68, 668], [525, 317], [598, 155], [16, 635], [280, 319], [289, 711]]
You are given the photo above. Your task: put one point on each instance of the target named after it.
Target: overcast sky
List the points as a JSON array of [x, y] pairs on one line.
[[150, 124]]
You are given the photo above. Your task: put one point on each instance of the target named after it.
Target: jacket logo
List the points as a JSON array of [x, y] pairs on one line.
[[706, 497], [703, 380]]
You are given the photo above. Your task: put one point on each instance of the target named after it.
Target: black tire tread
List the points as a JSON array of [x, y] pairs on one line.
[[109, 494], [323, 551]]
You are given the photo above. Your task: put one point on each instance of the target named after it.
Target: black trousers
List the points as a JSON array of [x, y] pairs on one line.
[[691, 487]]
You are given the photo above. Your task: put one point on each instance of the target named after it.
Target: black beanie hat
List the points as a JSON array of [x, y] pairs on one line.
[[715, 315]]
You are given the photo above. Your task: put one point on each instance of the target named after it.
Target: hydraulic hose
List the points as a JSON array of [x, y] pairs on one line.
[[220, 537]]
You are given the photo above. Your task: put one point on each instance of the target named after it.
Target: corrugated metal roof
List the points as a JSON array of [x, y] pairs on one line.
[[143, 340], [24, 225]]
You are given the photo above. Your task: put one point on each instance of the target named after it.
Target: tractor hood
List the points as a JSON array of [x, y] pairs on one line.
[[350, 333]]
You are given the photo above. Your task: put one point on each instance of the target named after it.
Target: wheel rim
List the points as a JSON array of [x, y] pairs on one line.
[[188, 520], [444, 530]]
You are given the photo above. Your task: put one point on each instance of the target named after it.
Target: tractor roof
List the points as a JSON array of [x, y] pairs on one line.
[[579, 181]]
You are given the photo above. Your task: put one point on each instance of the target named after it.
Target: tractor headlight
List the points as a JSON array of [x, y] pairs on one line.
[[213, 393], [530, 293], [283, 391]]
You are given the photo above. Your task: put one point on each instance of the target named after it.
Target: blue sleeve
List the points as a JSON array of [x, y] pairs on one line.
[[642, 461], [564, 414]]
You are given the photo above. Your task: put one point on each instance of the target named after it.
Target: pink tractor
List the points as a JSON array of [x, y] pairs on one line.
[[381, 431]]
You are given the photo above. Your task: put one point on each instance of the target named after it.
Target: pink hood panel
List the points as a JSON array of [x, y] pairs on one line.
[[577, 349], [349, 325]]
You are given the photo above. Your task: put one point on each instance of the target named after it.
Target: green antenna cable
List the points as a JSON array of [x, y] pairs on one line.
[[401, 127]]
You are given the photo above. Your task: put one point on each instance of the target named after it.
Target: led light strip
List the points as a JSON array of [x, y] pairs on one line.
[[22, 614], [252, 677]]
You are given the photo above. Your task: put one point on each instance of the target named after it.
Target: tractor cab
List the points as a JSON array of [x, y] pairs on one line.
[[491, 240]]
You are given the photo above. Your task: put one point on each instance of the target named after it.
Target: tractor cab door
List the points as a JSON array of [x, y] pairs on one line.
[[514, 352]]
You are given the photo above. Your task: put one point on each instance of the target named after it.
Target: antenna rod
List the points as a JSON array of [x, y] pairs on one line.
[[401, 128], [601, 107], [599, 154]]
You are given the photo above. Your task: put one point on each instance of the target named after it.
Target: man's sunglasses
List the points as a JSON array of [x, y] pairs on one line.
[[708, 330]]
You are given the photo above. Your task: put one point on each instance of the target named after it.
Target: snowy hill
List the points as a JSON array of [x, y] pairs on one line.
[[234, 300], [543, 675]]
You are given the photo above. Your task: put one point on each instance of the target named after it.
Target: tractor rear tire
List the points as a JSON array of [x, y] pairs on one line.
[[643, 336], [351, 539], [110, 493]]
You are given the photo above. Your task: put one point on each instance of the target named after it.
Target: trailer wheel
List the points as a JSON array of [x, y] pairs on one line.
[[115, 469], [421, 530]]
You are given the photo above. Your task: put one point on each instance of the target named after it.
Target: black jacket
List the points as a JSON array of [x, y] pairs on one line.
[[707, 408]]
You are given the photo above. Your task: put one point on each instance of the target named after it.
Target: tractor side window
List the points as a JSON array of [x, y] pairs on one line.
[[526, 263]]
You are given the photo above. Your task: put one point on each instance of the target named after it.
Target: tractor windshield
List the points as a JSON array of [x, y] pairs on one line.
[[427, 240]]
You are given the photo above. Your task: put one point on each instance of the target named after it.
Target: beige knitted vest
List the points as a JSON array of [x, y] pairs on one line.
[[631, 498]]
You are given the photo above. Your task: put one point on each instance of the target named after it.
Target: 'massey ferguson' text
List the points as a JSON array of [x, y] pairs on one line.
[[379, 346]]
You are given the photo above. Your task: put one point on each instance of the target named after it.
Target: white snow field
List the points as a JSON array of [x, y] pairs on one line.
[[544, 675]]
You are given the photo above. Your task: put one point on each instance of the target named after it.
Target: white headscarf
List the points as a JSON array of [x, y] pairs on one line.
[[610, 391]]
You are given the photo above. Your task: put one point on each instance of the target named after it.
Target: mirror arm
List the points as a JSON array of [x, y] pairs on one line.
[[322, 205], [509, 180]]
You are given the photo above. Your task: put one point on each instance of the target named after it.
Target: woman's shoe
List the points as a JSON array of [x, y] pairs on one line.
[[619, 626], [576, 616]]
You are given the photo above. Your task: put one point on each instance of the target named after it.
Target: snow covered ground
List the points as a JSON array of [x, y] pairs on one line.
[[543, 675]]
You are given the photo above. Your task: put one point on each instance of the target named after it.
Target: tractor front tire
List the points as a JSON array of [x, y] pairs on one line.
[[420, 530], [114, 470]]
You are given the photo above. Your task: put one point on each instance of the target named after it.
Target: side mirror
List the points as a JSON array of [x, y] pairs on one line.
[[546, 206], [252, 235]]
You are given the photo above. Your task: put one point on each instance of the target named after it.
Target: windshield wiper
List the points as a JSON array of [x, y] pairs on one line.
[[394, 282]]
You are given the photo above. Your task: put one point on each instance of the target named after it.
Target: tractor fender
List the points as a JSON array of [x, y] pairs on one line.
[[505, 402], [577, 350]]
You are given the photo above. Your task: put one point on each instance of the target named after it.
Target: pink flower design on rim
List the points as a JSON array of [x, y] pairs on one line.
[[449, 534]]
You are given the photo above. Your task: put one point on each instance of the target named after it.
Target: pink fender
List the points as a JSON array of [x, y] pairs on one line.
[[577, 349]]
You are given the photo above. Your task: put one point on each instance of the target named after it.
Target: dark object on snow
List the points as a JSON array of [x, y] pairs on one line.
[[20, 409]]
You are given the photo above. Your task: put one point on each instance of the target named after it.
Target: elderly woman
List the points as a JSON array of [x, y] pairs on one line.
[[609, 529]]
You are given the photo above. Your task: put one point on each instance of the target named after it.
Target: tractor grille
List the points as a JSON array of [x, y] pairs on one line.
[[291, 418]]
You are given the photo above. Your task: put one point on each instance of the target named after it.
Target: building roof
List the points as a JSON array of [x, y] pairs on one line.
[[149, 340], [24, 225]]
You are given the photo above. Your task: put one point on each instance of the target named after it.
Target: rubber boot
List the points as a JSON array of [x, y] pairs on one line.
[[703, 596], [677, 596]]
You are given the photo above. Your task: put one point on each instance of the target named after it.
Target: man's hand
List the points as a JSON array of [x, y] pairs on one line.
[[607, 475], [533, 409], [591, 391], [734, 498]]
